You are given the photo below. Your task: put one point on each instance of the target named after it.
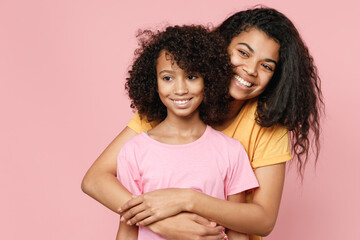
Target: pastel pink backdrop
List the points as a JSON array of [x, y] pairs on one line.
[[62, 100]]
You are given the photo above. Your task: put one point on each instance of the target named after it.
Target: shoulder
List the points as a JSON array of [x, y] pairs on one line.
[[140, 123], [247, 122], [224, 140], [134, 143], [249, 109]]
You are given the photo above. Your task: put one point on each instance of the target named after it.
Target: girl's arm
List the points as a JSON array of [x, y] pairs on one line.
[[100, 183], [232, 235], [127, 232], [257, 218], [188, 226]]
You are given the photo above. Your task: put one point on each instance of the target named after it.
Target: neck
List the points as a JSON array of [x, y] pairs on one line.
[[235, 107], [183, 125]]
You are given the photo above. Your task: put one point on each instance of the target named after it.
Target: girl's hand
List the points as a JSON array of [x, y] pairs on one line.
[[188, 226], [154, 206]]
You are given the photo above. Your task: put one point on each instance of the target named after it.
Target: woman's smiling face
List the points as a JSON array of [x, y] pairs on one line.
[[254, 56]]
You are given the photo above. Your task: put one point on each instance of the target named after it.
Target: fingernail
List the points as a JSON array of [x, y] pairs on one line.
[[122, 219], [119, 210], [128, 222], [225, 237], [212, 223]]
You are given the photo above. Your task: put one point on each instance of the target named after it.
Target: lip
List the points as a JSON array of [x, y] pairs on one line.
[[242, 86], [181, 103]]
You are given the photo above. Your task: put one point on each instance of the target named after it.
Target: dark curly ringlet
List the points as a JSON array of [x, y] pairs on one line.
[[196, 50], [293, 97]]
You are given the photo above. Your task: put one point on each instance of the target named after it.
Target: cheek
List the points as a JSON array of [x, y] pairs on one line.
[[198, 87], [233, 90], [235, 60], [265, 80], [163, 90]]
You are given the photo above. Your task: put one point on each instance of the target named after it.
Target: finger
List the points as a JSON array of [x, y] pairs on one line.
[[220, 236], [131, 203], [214, 231], [133, 211], [148, 221], [203, 221], [139, 217], [211, 233]]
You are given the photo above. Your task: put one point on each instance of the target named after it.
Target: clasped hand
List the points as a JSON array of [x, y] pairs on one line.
[[154, 206]]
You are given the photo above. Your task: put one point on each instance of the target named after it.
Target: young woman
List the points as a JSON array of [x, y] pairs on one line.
[[180, 79], [277, 97]]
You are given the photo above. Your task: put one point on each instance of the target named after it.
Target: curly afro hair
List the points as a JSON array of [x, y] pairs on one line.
[[196, 50]]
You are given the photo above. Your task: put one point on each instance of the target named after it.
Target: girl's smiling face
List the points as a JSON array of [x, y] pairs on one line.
[[254, 56], [179, 91]]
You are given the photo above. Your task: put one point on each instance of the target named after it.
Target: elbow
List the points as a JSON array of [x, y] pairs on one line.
[[87, 184], [266, 231], [266, 227]]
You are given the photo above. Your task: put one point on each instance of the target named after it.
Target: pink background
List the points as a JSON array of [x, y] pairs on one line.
[[62, 69]]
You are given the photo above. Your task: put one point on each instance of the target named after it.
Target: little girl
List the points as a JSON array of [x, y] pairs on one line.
[[179, 80]]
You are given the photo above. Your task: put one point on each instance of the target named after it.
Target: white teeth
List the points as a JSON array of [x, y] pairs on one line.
[[181, 101], [242, 81]]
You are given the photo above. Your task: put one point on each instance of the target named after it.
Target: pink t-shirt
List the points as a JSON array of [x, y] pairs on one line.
[[214, 164]]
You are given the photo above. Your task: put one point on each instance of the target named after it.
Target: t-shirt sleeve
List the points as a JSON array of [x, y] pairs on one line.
[[272, 147], [240, 175], [139, 124], [128, 172]]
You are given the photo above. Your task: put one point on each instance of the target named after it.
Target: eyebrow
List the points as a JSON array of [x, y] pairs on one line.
[[166, 71], [247, 45], [252, 51]]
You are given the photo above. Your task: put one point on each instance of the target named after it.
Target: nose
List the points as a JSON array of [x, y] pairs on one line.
[[180, 87], [250, 68]]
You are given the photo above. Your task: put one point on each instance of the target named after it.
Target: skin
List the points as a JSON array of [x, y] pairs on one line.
[[256, 218]]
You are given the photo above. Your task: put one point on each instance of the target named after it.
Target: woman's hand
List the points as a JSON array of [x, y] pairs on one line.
[[154, 206], [188, 226]]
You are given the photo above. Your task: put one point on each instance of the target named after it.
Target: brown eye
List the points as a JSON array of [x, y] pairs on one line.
[[192, 77], [243, 53], [267, 67], [167, 78]]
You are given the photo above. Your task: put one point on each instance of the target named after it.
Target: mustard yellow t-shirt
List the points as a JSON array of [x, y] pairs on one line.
[[264, 146]]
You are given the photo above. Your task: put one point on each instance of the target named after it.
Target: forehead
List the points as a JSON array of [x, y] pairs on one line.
[[260, 42], [165, 60]]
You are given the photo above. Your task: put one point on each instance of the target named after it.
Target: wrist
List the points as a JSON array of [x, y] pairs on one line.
[[155, 227], [189, 200]]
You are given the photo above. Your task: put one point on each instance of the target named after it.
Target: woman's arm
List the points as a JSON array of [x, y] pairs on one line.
[[100, 181], [258, 217]]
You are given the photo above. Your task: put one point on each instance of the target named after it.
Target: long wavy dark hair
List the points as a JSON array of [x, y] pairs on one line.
[[195, 49], [293, 97]]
